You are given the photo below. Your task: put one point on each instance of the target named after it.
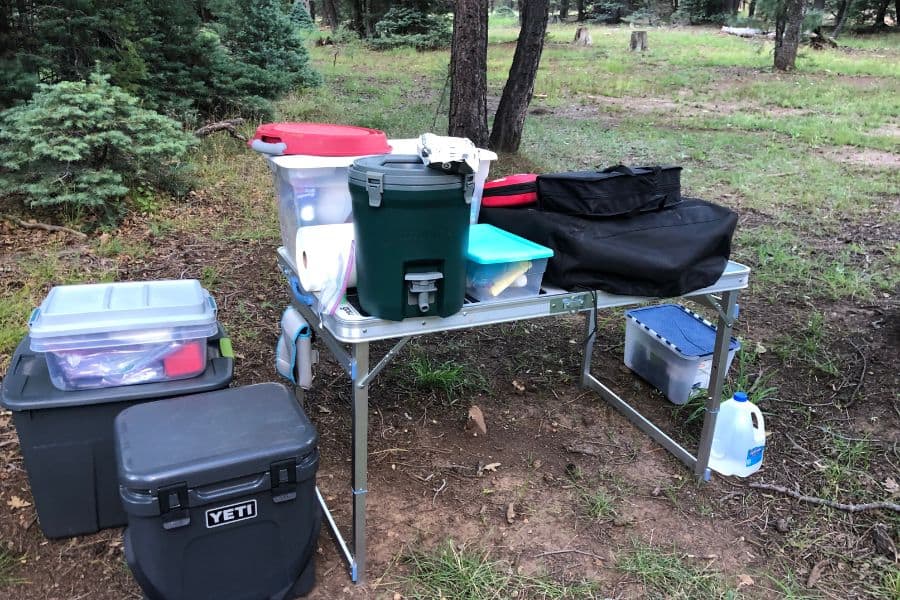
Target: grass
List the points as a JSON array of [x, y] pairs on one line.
[[461, 573], [598, 504], [8, 568], [809, 345], [889, 589], [745, 375], [849, 458], [670, 574], [448, 378]]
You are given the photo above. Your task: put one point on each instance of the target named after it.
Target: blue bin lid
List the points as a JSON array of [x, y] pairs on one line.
[[489, 245], [687, 331]]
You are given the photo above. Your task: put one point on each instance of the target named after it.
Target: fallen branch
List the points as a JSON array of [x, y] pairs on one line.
[[585, 449], [43, 226], [830, 503], [228, 125]]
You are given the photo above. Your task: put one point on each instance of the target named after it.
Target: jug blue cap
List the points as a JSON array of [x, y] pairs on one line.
[[740, 396]]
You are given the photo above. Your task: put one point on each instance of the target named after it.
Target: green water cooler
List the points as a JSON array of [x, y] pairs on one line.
[[412, 229]]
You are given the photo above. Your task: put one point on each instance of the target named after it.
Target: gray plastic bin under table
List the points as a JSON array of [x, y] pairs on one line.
[[220, 494], [66, 438]]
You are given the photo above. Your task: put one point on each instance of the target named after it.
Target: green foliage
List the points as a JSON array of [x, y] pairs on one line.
[[262, 37], [694, 12], [300, 17], [183, 59], [402, 26], [504, 11], [85, 144]]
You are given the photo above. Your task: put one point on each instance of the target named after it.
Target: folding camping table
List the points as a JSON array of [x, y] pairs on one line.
[[347, 334]]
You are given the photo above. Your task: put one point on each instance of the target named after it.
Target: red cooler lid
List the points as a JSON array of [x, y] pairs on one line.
[[318, 139]]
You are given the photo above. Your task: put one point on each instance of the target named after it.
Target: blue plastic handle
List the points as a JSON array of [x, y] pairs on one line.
[[34, 315], [298, 294]]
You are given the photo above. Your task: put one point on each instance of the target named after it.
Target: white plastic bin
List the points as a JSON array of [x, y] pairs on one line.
[[671, 347], [112, 334], [502, 265]]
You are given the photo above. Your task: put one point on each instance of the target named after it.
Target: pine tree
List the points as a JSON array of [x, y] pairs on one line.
[[300, 17], [86, 144], [260, 35]]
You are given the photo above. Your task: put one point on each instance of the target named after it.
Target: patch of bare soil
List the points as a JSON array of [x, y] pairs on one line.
[[866, 157], [553, 441]]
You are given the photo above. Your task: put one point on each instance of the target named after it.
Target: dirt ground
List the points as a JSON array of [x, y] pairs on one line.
[[554, 442]]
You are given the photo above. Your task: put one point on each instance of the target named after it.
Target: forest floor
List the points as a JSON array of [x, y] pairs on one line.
[[581, 504]]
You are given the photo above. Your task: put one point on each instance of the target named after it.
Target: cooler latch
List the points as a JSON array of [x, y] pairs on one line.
[[173, 506], [422, 289], [283, 478], [469, 187], [375, 187]]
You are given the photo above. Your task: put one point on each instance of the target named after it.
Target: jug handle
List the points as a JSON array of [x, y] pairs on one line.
[[759, 428]]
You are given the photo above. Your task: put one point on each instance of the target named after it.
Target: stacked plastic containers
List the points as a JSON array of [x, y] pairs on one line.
[[94, 350]]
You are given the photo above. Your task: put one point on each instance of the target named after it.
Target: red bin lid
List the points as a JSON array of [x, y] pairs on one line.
[[318, 139]]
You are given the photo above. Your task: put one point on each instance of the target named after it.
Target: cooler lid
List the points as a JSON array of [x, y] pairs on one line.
[[27, 384], [525, 179], [490, 245], [400, 171], [211, 438], [100, 308], [687, 331], [318, 139]]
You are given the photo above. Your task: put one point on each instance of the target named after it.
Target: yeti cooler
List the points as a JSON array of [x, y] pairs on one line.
[[66, 438], [412, 230], [220, 494]]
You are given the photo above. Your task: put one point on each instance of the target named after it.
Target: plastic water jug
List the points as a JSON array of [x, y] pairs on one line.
[[739, 439]]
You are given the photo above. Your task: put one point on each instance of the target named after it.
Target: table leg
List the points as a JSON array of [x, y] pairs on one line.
[[590, 334], [360, 435], [716, 381]]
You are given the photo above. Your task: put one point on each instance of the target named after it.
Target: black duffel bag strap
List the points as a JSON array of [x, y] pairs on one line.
[[623, 169]]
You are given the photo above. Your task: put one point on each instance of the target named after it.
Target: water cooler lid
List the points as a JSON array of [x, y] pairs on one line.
[[740, 396]]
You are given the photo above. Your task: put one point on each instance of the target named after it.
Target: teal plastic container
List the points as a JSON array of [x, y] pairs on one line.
[[503, 265], [412, 231]]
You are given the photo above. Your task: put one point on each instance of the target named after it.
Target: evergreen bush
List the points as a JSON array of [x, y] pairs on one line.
[[403, 26], [300, 17], [85, 144]]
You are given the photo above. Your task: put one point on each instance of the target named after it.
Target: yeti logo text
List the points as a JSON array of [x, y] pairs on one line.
[[225, 515]]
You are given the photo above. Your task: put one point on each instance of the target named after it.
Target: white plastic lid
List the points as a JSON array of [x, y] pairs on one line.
[[98, 315]]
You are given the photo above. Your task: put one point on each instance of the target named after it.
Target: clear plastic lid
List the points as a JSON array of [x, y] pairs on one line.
[[124, 313]]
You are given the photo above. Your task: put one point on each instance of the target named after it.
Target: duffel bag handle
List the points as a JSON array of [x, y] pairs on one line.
[[620, 169]]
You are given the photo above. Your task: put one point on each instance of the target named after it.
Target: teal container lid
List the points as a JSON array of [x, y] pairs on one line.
[[489, 245]]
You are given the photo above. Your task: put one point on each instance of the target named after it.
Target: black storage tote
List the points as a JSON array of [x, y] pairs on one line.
[[66, 438], [220, 494]]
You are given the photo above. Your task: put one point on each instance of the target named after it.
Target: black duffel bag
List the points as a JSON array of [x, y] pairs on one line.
[[665, 253], [612, 192]]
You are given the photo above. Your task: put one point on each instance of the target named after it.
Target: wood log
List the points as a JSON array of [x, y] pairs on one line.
[[638, 41], [582, 37], [228, 125]]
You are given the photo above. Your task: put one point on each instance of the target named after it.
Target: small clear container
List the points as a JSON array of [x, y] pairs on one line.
[[114, 334], [501, 265]]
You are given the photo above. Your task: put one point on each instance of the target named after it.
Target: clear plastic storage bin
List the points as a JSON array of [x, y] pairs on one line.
[[113, 334], [671, 347], [503, 265]]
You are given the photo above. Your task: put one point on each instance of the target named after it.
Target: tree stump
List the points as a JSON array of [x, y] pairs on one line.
[[638, 41], [582, 37]]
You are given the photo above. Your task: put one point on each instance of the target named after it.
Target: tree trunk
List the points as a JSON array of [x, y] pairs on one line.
[[787, 34], [509, 121], [638, 41], [564, 9], [468, 72], [819, 5], [882, 12], [330, 14], [843, 10], [580, 5], [751, 10]]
